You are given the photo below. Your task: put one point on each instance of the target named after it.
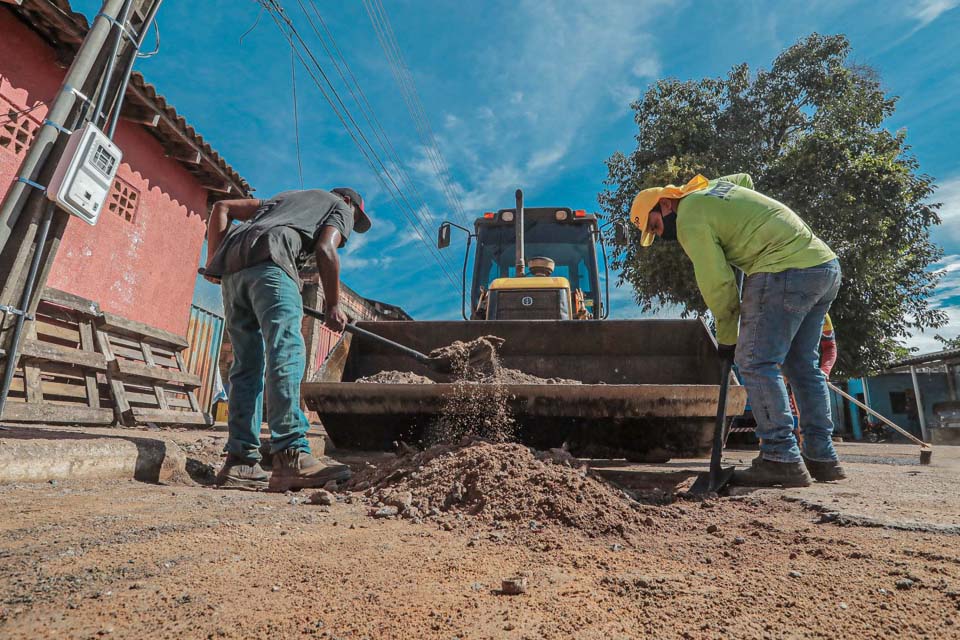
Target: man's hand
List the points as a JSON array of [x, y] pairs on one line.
[[727, 351], [336, 319]]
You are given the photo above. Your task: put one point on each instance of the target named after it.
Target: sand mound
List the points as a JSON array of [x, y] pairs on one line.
[[505, 483]]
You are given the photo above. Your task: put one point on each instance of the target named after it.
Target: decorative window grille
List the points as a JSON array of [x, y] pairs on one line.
[[17, 129], [124, 200]]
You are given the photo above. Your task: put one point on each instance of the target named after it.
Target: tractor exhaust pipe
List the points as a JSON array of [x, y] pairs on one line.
[[518, 225]]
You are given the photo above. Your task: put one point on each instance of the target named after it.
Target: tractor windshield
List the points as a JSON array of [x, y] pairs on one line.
[[570, 245]]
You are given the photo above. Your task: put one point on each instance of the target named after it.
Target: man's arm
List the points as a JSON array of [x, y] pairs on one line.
[[716, 280], [221, 215], [328, 265]]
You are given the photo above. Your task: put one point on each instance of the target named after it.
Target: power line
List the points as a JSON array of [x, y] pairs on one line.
[[296, 117], [404, 78], [369, 115], [355, 132]]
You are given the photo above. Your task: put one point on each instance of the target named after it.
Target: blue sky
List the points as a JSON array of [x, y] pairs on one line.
[[528, 93]]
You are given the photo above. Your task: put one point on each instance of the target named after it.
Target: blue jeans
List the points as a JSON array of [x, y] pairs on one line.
[[781, 319], [264, 311]]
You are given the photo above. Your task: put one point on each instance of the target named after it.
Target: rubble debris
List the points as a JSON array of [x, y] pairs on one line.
[[500, 483]]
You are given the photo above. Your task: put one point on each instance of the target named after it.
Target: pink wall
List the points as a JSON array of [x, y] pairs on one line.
[[140, 260]]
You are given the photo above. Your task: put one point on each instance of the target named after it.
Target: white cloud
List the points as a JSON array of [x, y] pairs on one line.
[[949, 195], [647, 68], [576, 63], [926, 11]]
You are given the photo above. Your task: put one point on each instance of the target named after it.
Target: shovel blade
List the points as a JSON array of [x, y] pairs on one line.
[[705, 484]]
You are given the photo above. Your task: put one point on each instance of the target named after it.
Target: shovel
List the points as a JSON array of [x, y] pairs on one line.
[[718, 477], [477, 354]]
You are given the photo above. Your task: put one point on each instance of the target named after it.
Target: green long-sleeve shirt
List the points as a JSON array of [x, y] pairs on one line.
[[729, 223]]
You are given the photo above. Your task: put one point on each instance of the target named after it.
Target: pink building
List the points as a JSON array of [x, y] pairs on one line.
[[140, 260]]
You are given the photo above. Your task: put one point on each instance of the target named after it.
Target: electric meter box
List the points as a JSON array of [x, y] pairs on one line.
[[84, 176]]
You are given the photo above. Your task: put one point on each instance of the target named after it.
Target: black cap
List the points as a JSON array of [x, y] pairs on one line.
[[361, 221]]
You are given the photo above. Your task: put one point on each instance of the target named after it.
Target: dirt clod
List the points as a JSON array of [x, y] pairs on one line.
[[513, 586]]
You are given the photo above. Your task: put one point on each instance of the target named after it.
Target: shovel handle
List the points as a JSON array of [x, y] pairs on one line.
[[885, 421], [716, 455], [357, 331]]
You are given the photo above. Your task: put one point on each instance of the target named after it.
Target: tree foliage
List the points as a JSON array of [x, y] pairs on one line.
[[810, 132]]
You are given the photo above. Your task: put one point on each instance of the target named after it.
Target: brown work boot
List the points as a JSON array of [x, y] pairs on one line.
[[824, 471], [295, 469], [766, 473], [237, 473]]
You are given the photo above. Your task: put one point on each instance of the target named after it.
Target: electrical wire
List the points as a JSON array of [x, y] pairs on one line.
[[156, 46], [404, 78], [296, 117], [369, 115], [10, 116], [330, 94]]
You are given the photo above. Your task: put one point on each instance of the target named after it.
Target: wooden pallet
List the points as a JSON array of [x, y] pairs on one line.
[[61, 376], [81, 365]]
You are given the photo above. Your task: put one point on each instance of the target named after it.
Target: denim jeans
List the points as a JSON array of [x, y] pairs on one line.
[[264, 311], [781, 319]]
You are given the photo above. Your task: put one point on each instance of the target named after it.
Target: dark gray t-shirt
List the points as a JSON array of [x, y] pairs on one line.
[[284, 230]]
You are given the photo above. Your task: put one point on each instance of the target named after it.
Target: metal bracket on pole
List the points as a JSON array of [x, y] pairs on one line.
[[17, 312], [58, 127], [29, 182], [126, 31], [76, 92]]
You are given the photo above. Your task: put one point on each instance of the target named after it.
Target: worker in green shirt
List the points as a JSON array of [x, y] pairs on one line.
[[792, 277]]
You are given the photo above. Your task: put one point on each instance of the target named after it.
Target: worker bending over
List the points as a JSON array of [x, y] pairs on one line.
[[258, 263], [792, 277]]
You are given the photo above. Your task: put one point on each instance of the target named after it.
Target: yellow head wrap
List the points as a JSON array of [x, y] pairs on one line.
[[647, 199]]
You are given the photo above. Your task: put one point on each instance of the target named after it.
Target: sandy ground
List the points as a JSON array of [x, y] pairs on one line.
[[876, 556]]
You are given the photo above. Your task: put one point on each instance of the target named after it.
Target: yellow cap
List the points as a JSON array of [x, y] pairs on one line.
[[647, 199]]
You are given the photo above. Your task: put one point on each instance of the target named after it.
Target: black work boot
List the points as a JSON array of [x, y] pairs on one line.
[[238, 473], [295, 469], [828, 471], [766, 473]]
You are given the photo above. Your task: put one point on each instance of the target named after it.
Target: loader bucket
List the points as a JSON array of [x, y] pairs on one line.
[[650, 387]]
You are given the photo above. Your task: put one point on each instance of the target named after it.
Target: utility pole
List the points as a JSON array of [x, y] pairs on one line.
[[30, 225]]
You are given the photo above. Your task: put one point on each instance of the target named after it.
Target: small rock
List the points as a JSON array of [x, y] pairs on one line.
[[447, 526], [648, 521], [294, 501], [616, 546], [53, 483], [401, 500], [386, 512], [739, 540], [795, 574], [843, 605], [509, 626], [322, 497], [333, 485], [513, 586], [904, 584], [882, 591], [793, 555], [713, 528], [275, 588]]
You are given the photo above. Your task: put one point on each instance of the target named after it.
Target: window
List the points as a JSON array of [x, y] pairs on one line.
[[124, 200], [898, 402]]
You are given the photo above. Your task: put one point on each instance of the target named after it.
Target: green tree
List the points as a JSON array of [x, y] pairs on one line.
[[810, 132]]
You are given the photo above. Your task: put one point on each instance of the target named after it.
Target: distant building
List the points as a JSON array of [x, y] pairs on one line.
[[927, 381]]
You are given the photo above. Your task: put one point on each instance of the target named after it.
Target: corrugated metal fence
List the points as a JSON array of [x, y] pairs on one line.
[[205, 335], [325, 341]]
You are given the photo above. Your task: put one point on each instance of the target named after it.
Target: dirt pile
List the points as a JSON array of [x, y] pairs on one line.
[[395, 377], [500, 483]]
